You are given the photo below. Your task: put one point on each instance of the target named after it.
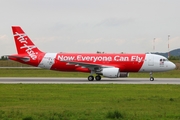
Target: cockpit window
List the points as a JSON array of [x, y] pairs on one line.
[[162, 60]]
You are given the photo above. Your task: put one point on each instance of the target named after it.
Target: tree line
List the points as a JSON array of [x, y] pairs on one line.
[[174, 58], [3, 58]]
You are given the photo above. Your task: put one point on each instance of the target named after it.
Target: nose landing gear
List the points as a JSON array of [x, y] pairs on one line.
[[151, 76]]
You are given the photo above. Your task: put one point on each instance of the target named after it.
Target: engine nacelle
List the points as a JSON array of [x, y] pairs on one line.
[[110, 72], [113, 73]]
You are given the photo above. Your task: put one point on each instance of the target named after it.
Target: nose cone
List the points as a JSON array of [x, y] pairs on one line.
[[172, 66]]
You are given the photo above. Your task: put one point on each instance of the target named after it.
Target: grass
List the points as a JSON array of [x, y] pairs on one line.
[[9, 63], [25, 72], [89, 101]]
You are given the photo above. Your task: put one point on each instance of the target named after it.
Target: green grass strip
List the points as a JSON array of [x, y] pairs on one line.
[[89, 102]]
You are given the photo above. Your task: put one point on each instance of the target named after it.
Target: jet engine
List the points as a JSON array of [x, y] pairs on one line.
[[113, 73]]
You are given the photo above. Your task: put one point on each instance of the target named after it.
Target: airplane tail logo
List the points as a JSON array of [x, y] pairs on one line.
[[24, 45]]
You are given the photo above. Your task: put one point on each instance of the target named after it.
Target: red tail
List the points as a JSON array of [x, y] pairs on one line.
[[24, 44]]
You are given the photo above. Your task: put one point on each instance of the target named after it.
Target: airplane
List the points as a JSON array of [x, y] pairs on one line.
[[106, 65]]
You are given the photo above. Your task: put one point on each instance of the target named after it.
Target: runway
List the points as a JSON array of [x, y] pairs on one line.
[[38, 80]]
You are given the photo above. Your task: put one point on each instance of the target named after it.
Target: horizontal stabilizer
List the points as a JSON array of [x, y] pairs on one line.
[[24, 58]]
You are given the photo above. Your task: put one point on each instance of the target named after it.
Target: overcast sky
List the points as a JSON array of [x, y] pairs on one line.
[[112, 26]]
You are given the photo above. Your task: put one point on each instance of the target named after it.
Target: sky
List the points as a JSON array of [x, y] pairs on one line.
[[88, 26]]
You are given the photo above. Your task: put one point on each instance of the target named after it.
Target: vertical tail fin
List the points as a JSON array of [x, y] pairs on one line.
[[24, 45]]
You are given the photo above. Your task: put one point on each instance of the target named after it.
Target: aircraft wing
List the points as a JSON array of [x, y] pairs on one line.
[[91, 66]]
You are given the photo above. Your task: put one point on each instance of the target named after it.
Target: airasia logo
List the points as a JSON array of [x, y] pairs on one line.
[[28, 48]]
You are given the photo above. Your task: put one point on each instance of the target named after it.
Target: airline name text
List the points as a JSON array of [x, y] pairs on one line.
[[29, 48]]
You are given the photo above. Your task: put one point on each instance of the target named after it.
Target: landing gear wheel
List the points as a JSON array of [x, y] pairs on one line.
[[151, 79], [98, 78], [151, 76], [91, 78]]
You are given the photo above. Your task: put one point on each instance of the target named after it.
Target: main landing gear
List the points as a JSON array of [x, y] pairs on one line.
[[151, 76], [91, 78]]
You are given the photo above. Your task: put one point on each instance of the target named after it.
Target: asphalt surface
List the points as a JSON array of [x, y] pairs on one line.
[[37, 80]]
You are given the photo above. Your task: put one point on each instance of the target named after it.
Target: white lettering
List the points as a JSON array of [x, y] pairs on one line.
[[133, 58], [96, 58], [121, 58], [29, 48], [116, 58], [136, 58], [21, 37], [140, 59], [65, 58], [79, 57]]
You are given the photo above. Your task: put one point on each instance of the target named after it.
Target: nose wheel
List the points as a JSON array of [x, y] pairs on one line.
[[151, 76], [151, 79]]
